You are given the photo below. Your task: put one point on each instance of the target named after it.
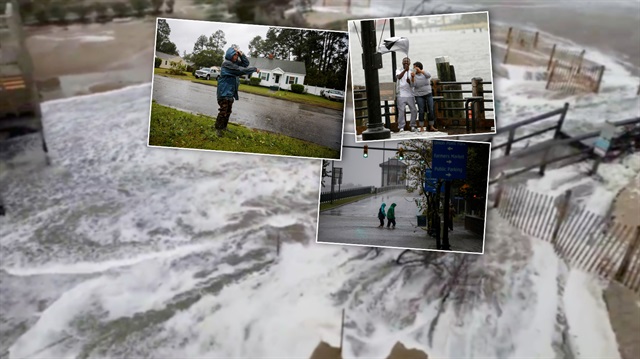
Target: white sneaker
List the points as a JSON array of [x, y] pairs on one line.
[[401, 130], [413, 129]]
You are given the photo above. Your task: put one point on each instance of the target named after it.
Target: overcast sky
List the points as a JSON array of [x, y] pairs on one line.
[[359, 170], [184, 33]]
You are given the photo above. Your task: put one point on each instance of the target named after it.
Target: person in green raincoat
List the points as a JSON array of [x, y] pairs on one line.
[[382, 215], [391, 216]]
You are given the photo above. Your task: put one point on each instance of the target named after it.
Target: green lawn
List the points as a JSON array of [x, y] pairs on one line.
[[173, 128], [262, 91], [340, 202]]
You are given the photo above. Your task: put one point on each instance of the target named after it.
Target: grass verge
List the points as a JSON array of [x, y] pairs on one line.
[[173, 128], [262, 91], [340, 202]]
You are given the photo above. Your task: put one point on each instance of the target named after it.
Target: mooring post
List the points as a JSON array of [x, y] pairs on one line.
[[371, 62], [477, 90], [278, 244], [535, 40], [626, 260], [553, 52], [456, 96], [509, 35]]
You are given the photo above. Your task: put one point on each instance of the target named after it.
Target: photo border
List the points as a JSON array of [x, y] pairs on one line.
[[344, 106]]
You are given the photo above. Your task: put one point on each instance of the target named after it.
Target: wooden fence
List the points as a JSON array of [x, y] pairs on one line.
[[567, 70], [570, 72], [584, 239]]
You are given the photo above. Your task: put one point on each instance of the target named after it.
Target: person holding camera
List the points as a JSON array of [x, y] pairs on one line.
[[235, 64]]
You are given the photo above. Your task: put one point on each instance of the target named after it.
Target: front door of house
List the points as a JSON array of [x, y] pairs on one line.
[[277, 79]]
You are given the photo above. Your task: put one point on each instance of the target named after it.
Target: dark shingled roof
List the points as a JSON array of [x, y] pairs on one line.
[[264, 63]]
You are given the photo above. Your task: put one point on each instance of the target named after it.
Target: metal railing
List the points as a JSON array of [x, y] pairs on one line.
[[345, 193]]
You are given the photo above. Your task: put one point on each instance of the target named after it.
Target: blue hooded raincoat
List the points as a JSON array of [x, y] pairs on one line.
[[229, 79]]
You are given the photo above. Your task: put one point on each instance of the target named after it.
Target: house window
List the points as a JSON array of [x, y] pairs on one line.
[[166, 62], [292, 80], [264, 76]]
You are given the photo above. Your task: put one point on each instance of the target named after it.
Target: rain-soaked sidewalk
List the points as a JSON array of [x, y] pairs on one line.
[[357, 223]]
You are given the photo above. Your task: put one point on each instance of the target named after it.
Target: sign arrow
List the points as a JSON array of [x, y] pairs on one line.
[[449, 161], [449, 148], [448, 174]]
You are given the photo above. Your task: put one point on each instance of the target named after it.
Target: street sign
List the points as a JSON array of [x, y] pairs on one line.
[[449, 160], [430, 183], [604, 141]]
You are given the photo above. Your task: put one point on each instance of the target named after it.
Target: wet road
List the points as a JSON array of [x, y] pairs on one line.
[[315, 124], [357, 223]]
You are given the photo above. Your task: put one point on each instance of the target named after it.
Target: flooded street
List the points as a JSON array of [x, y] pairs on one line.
[[315, 124]]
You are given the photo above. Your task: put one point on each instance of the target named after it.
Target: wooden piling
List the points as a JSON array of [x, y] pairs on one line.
[[506, 54], [580, 60], [444, 75], [456, 96], [550, 77], [535, 40], [509, 35], [477, 89], [553, 52], [597, 89]]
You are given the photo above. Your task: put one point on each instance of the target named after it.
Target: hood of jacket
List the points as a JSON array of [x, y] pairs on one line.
[[393, 205], [229, 54]]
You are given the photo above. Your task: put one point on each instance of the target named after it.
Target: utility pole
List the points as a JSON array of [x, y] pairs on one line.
[[371, 62]]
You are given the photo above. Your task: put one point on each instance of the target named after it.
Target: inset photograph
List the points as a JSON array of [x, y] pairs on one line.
[[413, 194], [248, 88], [422, 76]]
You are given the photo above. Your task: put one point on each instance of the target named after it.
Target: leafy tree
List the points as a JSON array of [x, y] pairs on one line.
[[157, 62], [216, 41], [200, 44], [59, 12], [81, 10], [163, 43], [206, 58], [157, 5], [170, 4], [120, 9], [325, 171], [140, 7], [101, 11], [42, 12]]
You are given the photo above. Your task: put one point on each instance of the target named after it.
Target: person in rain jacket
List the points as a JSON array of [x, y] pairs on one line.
[[381, 215], [235, 64], [391, 215]]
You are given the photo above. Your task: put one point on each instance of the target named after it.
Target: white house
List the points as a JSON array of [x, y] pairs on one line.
[[281, 73], [168, 59]]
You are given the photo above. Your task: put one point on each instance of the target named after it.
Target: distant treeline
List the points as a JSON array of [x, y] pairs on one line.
[[44, 12]]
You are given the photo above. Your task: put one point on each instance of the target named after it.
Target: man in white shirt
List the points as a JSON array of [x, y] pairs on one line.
[[406, 97]]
